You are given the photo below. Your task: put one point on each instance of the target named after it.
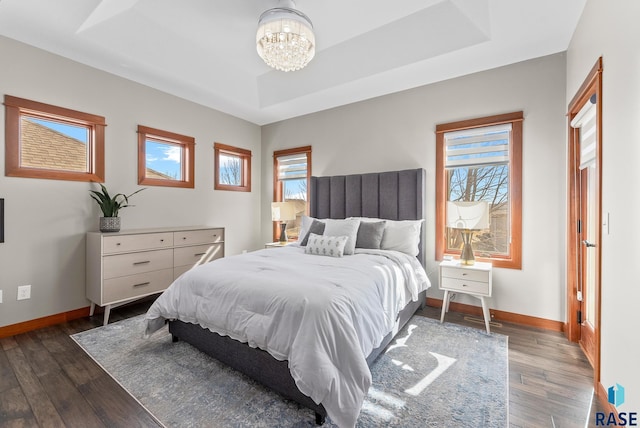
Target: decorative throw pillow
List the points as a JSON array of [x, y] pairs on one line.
[[403, 236], [370, 234], [316, 227], [320, 245], [348, 228]]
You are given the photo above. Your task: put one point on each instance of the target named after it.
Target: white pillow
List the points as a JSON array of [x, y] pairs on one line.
[[403, 236], [320, 245], [348, 228]]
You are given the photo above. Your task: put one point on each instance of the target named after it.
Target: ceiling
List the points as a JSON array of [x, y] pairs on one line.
[[204, 50]]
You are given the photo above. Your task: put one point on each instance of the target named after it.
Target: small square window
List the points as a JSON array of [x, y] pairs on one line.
[[46, 141], [165, 158], [232, 168]]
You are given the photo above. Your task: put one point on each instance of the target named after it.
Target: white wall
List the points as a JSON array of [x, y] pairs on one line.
[[610, 29], [46, 220], [397, 131]]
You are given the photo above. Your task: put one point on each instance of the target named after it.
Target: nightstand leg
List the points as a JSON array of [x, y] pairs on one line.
[[485, 312], [445, 305], [92, 309]]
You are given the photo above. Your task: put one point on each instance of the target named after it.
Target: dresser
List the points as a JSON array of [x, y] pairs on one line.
[[474, 280], [127, 265]]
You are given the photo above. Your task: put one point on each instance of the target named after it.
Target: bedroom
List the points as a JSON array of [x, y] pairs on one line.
[[44, 247]]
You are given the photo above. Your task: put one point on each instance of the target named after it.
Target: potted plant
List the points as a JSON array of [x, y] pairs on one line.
[[110, 206]]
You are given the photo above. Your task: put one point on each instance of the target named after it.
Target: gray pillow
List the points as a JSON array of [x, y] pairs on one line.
[[370, 235], [348, 228], [316, 227]]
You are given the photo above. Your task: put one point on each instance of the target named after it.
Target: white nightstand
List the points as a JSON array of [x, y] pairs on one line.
[[277, 244], [474, 280]]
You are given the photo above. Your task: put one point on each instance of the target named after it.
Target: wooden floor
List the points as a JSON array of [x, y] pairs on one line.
[[46, 380]]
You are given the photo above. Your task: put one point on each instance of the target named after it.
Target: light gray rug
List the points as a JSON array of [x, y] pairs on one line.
[[433, 375]]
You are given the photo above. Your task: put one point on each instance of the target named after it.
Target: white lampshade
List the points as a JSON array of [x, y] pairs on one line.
[[468, 215], [283, 211]]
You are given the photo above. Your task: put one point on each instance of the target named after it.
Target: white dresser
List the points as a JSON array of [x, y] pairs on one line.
[[131, 264]]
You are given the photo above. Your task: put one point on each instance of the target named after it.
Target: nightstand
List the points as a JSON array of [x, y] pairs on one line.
[[474, 280], [277, 244]]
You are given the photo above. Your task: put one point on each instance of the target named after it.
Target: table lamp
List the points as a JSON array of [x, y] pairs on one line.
[[467, 217], [283, 212]]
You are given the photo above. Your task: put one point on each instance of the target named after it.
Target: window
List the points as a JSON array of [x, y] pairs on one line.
[[165, 158], [45, 141], [232, 168], [291, 174], [481, 160]]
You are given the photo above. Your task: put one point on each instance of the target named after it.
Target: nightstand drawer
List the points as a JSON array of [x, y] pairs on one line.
[[133, 263], [195, 237], [465, 285], [466, 274], [145, 241], [127, 287]]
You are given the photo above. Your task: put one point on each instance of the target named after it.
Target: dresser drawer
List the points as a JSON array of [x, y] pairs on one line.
[[195, 237], [132, 286], [190, 255], [465, 285], [179, 270], [145, 241], [467, 274], [133, 263]]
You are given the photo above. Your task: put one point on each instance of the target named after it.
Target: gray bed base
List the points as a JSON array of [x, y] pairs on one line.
[[395, 195]]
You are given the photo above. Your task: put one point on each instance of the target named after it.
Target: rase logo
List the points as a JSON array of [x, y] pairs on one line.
[[615, 396]]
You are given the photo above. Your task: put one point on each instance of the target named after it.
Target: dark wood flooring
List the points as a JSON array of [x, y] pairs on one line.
[[46, 380]]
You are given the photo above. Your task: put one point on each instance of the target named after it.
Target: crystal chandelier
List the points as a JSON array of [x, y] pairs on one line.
[[285, 39]]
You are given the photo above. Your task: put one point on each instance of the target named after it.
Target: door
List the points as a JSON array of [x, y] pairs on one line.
[[584, 227], [587, 284]]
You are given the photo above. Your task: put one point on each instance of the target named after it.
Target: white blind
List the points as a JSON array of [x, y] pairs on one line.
[[585, 120], [292, 167], [478, 146]]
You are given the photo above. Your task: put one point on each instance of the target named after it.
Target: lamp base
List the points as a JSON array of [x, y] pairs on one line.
[[283, 232], [466, 257]]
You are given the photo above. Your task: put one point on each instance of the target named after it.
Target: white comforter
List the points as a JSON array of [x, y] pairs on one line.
[[322, 314]]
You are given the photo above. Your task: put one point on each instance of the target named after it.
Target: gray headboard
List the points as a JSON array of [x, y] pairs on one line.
[[394, 195]]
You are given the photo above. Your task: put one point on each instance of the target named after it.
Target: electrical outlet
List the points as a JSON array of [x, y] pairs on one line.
[[0, 296], [24, 292]]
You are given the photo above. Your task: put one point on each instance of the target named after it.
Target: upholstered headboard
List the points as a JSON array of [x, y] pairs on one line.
[[394, 195]]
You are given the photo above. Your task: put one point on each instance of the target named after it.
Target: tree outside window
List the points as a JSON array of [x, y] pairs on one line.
[[232, 168], [480, 160]]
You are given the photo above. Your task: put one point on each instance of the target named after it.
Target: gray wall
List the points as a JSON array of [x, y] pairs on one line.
[[46, 220], [397, 131], [609, 29]]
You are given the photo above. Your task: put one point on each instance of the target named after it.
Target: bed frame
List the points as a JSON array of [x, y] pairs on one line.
[[396, 195]]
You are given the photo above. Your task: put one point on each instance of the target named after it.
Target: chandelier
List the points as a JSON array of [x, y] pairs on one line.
[[285, 39]]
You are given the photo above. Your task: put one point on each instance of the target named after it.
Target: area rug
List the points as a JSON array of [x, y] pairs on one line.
[[432, 375]]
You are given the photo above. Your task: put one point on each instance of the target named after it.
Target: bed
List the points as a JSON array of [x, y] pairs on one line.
[[301, 357]]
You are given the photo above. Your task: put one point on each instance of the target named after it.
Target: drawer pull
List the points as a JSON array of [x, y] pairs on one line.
[[141, 263], [184, 237], [464, 285], [199, 254], [464, 274], [118, 243], [162, 240], [142, 284]]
